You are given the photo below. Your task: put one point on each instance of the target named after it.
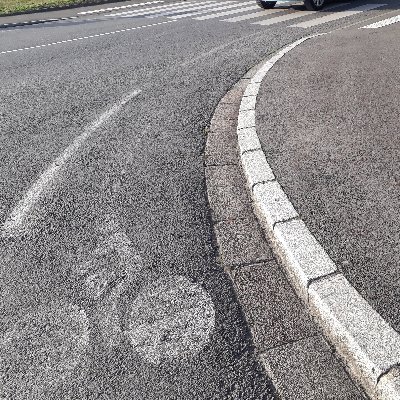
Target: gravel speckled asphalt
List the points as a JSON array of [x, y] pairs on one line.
[[142, 170], [129, 210]]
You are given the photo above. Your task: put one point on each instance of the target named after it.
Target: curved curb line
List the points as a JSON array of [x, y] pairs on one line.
[[369, 347]]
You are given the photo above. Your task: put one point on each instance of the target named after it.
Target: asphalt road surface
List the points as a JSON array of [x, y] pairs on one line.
[[109, 284]]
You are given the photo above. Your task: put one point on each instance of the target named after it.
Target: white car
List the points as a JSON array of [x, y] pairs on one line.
[[312, 5]]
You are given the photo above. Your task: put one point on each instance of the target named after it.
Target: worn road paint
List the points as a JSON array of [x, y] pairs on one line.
[[114, 267], [171, 318], [155, 10], [120, 7], [381, 24], [334, 17], [20, 220]]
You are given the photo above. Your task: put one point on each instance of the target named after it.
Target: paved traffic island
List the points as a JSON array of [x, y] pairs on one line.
[[326, 119], [317, 173]]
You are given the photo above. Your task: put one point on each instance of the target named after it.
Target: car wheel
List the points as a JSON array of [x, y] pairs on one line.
[[266, 4], [314, 5]]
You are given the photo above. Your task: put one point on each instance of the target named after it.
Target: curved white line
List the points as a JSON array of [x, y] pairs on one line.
[[18, 221]]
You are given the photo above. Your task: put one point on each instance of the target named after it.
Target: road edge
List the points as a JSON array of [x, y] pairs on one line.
[[366, 343]]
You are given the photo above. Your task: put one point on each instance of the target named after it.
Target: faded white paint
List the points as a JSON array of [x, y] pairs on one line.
[[20, 220], [384, 22], [171, 318]]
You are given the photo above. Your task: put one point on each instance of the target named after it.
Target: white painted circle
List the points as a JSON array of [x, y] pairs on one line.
[[40, 350], [172, 318]]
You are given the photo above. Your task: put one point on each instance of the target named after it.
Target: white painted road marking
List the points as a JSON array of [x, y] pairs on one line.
[[119, 8], [172, 12], [171, 318], [213, 8], [19, 222], [254, 15], [284, 18], [381, 24], [110, 271], [84, 37], [338, 15], [235, 11], [40, 350], [210, 9], [158, 9]]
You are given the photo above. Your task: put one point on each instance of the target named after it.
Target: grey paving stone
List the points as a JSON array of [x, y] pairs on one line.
[[227, 192], [275, 313], [241, 241], [221, 149], [227, 202], [224, 112], [235, 94], [224, 126], [225, 175], [308, 369]]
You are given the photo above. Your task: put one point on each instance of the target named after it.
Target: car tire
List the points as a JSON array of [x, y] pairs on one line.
[[314, 5], [266, 4]]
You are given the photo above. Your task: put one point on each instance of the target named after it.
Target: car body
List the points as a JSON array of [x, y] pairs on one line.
[[312, 5]]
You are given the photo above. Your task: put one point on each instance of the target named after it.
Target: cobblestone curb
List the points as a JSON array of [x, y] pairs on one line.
[[286, 340]]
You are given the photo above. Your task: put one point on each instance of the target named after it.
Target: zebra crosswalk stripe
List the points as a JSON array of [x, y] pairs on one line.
[[253, 15], [183, 11], [217, 9], [336, 16], [119, 8], [222, 14], [283, 18], [150, 10], [213, 8], [381, 24]]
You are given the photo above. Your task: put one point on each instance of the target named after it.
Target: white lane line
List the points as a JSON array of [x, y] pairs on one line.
[[215, 7], [222, 14], [381, 24], [283, 18], [338, 15], [84, 37], [172, 12], [150, 10], [20, 220], [254, 15], [119, 8]]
